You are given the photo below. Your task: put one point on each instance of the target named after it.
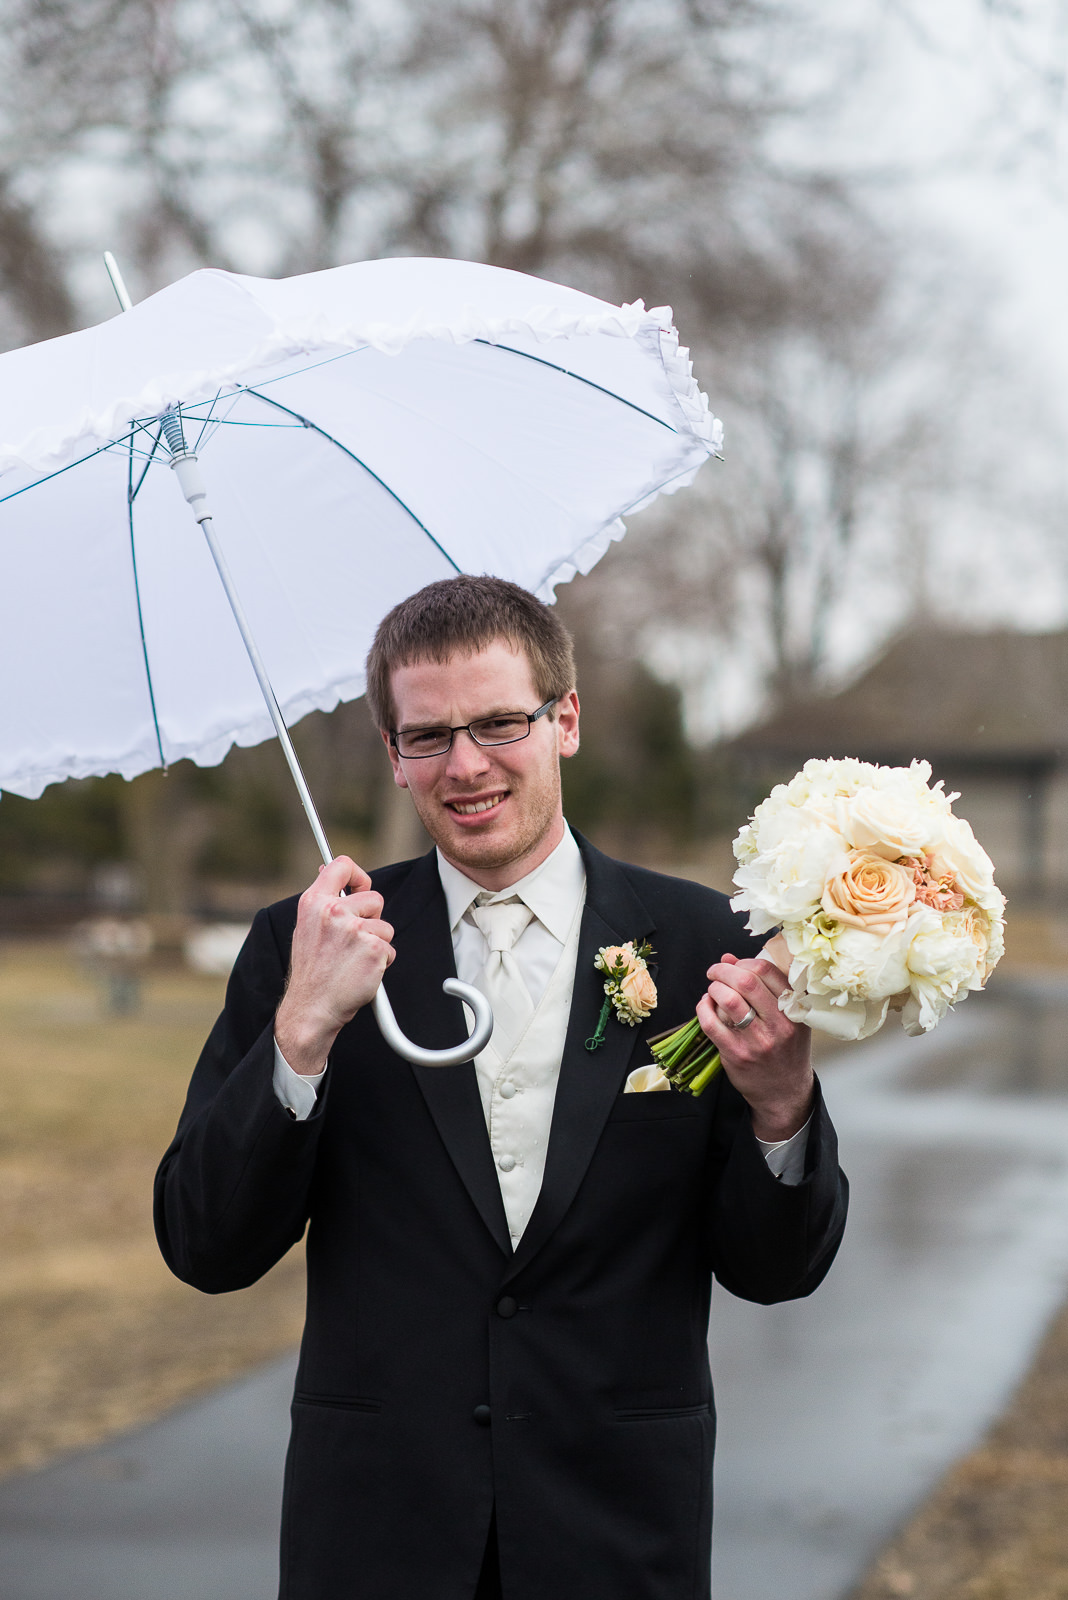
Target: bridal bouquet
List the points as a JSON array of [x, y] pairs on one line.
[[882, 897]]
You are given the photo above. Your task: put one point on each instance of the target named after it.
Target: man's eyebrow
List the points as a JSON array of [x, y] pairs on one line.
[[483, 716]]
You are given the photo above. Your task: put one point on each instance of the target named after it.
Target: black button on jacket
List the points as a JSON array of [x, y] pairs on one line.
[[582, 1355]]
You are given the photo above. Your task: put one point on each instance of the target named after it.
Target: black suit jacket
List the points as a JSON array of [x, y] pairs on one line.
[[441, 1374]]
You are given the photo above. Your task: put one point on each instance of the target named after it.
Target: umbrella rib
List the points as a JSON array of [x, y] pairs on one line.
[[210, 421], [313, 366], [577, 376], [314, 426], [207, 420], [126, 438], [131, 493], [134, 489]]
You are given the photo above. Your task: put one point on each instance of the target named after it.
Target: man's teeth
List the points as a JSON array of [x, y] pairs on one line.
[[479, 805]]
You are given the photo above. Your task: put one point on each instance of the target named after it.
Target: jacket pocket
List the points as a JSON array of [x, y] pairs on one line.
[[661, 1107], [336, 1402], [661, 1413]]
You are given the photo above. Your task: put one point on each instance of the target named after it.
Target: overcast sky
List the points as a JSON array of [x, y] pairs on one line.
[[954, 116], [971, 107]]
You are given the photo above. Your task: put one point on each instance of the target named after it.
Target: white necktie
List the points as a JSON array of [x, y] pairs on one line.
[[501, 922]]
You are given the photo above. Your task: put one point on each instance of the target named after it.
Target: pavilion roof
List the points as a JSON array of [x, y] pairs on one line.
[[997, 698]]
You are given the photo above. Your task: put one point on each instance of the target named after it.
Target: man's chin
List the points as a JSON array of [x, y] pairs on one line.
[[487, 849]]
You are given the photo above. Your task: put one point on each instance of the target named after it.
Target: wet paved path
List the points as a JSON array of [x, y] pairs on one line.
[[184, 1510], [837, 1414]]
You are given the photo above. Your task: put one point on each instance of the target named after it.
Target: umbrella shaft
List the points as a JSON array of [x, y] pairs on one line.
[[187, 471], [192, 485], [384, 1014], [268, 692]]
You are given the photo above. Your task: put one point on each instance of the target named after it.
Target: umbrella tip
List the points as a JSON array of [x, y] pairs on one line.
[[117, 283]]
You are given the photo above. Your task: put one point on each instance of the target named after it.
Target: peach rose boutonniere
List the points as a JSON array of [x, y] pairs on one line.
[[629, 990]]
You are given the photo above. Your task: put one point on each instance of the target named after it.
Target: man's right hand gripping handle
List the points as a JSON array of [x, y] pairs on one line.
[[341, 948]]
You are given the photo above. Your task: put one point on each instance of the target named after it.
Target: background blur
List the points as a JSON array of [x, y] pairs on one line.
[[857, 212]]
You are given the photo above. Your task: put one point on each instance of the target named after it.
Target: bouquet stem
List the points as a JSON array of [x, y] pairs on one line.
[[687, 1057]]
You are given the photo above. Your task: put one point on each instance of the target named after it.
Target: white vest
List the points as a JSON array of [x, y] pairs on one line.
[[518, 1091]]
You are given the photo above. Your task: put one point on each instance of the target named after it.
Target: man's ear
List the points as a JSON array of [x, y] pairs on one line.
[[567, 724], [394, 759]]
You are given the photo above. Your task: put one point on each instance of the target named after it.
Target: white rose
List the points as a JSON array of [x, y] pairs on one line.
[[871, 966], [971, 866], [987, 933], [911, 1014], [996, 942], [941, 963], [887, 822], [840, 1016], [939, 948], [820, 783], [842, 978], [914, 782], [916, 777], [798, 853], [745, 845]]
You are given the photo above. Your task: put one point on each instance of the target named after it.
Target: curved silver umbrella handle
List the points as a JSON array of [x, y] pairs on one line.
[[480, 1033]]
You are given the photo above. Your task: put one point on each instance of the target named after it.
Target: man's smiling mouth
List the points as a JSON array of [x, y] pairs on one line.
[[473, 807]]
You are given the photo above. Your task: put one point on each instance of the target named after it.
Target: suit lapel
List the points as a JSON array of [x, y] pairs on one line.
[[589, 1080], [431, 1018]]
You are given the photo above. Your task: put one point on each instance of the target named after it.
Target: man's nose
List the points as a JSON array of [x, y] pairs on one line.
[[466, 758]]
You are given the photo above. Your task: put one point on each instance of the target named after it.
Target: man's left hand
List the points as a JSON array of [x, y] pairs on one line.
[[769, 1061]]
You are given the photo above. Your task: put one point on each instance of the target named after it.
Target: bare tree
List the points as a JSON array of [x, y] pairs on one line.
[[628, 147], [67, 70]]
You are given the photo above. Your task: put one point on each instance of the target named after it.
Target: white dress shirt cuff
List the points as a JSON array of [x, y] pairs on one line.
[[786, 1159], [295, 1091]]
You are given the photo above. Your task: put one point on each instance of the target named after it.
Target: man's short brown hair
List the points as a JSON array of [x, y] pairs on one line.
[[461, 616]]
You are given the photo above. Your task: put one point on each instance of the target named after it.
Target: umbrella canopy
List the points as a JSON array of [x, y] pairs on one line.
[[362, 431]]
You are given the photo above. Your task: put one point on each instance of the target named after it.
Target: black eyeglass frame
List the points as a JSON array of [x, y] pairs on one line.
[[467, 727]]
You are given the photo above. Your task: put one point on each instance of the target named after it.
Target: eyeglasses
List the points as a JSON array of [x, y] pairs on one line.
[[508, 727]]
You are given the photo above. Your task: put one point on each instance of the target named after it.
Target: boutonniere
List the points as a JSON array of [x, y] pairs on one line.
[[629, 991]]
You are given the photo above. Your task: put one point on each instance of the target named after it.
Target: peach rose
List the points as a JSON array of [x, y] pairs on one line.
[[639, 991], [871, 893], [615, 954]]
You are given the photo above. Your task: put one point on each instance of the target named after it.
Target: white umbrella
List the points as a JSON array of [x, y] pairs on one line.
[[361, 432]]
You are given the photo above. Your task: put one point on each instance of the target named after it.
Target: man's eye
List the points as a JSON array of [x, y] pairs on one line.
[[425, 736], [500, 727]]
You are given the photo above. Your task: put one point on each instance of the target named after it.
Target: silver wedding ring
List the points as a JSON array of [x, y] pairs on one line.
[[746, 1020]]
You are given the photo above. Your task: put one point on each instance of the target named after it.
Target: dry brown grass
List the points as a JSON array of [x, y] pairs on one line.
[[97, 1335]]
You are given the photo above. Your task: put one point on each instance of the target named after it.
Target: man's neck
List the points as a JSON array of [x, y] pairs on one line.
[[502, 877]]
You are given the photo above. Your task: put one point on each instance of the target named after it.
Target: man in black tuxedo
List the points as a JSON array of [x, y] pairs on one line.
[[503, 1385]]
